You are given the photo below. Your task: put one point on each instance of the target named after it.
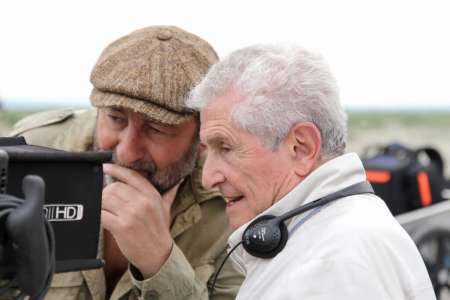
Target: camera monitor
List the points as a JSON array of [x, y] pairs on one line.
[[73, 187]]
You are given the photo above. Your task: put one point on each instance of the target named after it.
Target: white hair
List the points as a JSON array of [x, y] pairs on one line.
[[280, 87]]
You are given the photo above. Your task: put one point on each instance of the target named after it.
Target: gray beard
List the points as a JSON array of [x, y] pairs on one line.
[[162, 180]]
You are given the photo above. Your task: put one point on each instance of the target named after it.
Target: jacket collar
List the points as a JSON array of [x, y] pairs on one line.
[[83, 128], [186, 208]]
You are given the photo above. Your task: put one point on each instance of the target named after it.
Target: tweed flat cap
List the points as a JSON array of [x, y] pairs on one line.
[[151, 71]]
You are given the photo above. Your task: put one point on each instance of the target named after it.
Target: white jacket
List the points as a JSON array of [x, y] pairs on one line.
[[352, 248]]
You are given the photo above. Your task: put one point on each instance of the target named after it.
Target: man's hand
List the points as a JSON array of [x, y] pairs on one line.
[[138, 217]]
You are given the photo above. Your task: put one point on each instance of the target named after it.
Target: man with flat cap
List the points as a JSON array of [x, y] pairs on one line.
[[164, 235]]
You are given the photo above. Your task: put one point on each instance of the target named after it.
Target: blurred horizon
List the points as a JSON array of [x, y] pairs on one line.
[[45, 103], [414, 127]]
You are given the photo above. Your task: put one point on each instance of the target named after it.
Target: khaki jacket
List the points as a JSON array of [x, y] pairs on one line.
[[199, 228]]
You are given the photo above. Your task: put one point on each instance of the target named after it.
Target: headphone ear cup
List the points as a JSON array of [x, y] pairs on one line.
[[265, 237], [284, 237]]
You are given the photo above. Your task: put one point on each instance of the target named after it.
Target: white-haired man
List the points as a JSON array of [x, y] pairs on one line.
[[275, 135]]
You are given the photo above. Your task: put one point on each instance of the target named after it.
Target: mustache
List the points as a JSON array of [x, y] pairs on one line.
[[147, 166]]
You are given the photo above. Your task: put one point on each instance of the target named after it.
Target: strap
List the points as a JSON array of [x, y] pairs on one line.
[[363, 187], [434, 156]]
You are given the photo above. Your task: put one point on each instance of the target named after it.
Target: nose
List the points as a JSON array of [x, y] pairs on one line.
[[212, 175], [131, 146]]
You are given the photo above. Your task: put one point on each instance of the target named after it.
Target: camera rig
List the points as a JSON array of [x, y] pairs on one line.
[[49, 221]]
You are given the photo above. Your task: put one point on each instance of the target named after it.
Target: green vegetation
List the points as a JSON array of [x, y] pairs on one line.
[[360, 120], [413, 128], [379, 119], [8, 118]]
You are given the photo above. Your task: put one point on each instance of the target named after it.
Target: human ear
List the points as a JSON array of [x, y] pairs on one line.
[[304, 143]]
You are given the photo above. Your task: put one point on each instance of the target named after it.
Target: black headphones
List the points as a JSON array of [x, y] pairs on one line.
[[266, 236]]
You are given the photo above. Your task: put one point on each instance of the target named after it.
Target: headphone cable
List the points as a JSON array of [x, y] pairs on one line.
[[221, 266]]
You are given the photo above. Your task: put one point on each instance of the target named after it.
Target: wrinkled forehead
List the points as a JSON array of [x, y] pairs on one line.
[[218, 127], [220, 107]]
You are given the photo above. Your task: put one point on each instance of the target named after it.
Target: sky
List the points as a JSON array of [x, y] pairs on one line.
[[385, 53]]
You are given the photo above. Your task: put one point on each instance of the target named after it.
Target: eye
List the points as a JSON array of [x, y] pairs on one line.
[[150, 130], [116, 120], [224, 148]]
